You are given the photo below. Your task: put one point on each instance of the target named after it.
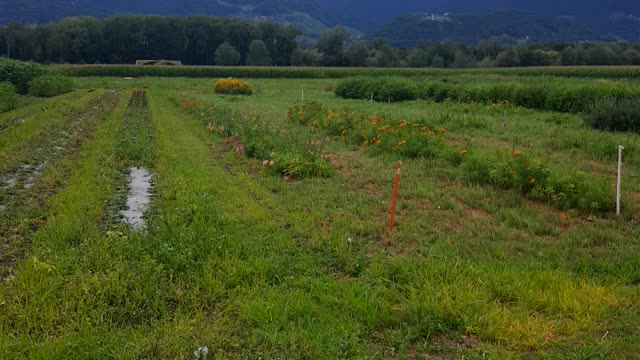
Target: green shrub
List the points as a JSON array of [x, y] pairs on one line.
[[232, 87], [7, 96], [20, 73], [50, 85], [616, 114], [386, 88]]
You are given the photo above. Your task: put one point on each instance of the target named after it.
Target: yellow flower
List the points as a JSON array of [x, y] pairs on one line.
[[403, 142]]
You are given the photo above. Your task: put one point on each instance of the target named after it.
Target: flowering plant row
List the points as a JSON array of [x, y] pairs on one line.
[[292, 156], [373, 132], [510, 169]]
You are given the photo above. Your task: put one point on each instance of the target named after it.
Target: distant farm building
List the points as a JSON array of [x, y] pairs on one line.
[[159, 62]]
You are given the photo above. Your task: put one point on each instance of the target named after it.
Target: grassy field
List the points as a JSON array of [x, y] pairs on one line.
[[266, 237]]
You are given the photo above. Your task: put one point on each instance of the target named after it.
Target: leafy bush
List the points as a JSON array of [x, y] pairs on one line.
[[554, 96], [385, 88], [20, 73], [50, 86], [232, 87], [616, 115], [7, 96], [534, 179]]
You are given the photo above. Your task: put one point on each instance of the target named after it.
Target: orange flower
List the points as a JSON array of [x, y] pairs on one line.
[[442, 130], [463, 152], [403, 142], [565, 218], [415, 126], [517, 153], [378, 142], [532, 181]]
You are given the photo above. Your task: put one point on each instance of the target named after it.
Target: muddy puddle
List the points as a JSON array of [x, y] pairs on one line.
[[138, 198]]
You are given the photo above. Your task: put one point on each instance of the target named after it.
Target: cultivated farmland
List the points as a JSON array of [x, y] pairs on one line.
[[265, 235]]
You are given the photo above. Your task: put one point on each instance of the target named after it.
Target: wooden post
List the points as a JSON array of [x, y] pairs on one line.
[[394, 197]]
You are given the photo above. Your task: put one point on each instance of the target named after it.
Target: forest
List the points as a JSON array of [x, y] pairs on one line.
[[205, 40]]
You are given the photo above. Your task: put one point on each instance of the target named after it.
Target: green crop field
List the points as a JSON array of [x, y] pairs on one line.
[[266, 233]]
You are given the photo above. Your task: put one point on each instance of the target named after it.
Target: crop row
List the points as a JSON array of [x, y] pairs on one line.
[[294, 155], [326, 73], [551, 95]]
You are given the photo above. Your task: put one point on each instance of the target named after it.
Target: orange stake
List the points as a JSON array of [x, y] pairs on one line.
[[395, 197]]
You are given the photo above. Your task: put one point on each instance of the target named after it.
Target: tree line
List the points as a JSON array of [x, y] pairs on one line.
[[206, 40]]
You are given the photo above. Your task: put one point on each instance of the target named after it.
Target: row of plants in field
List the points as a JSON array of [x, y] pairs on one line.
[[7, 96], [19, 77], [294, 155], [616, 114], [508, 169], [332, 73], [50, 85], [552, 96], [20, 73]]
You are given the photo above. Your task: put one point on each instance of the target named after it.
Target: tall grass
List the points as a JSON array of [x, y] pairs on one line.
[[324, 73]]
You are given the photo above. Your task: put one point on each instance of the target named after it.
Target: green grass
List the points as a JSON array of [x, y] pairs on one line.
[[256, 266]]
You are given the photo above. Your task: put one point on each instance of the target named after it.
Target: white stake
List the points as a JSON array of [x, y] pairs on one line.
[[619, 188], [371, 97]]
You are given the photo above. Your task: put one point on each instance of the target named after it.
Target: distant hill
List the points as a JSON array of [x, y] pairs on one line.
[[620, 18], [503, 27]]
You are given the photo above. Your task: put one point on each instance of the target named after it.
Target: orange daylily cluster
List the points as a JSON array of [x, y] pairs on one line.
[[411, 139]]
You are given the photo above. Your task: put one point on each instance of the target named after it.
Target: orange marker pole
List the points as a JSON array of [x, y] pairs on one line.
[[395, 197]]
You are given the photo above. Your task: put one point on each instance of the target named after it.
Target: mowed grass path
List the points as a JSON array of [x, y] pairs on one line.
[[253, 266]]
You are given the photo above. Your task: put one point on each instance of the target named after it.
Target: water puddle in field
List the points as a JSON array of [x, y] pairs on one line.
[[138, 198], [12, 180], [30, 181]]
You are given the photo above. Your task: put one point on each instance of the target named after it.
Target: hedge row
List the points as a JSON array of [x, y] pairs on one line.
[[324, 73], [552, 96], [7, 96], [385, 88], [20, 73], [616, 115], [50, 85]]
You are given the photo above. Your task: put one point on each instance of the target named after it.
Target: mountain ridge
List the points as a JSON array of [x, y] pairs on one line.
[[616, 17]]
